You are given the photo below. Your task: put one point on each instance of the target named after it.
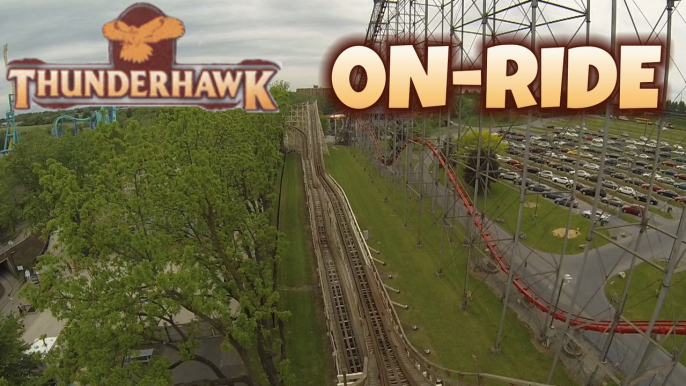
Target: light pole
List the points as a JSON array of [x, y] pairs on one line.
[[566, 280]]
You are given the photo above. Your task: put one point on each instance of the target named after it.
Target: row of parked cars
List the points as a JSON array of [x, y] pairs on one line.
[[625, 168]]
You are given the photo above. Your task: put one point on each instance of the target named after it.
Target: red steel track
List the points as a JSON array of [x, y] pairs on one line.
[[661, 327]]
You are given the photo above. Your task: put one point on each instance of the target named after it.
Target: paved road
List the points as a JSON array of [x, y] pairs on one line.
[[602, 263]]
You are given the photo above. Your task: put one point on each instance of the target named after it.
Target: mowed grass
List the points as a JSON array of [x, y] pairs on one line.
[[306, 346], [540, 217], [459, 340], [642, 298]]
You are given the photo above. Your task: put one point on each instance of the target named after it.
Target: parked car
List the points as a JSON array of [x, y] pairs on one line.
[[666, 180], [599, 215], [670, 172], [610, 184], [567, 201], [680, 185], [669, 162], [644, 197], [565, 168], [634, 209], [579, 186], [510, 176], [627, 190], [681, 199], [635, 181], [546, 174], [561, 180], [656, 188], [518, 181], [591, 191], [681, 176], [619, 175], [555, 195], [539, 188], [614, 201], [582, 173], [668, 193], [638, 171]]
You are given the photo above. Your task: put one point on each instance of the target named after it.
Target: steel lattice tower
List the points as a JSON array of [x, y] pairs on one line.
[[469, 26]]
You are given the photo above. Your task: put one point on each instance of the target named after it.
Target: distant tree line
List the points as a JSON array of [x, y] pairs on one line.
[[676, 107]]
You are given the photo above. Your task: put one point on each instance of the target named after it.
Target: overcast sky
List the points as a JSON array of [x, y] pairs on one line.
[[296, 33]]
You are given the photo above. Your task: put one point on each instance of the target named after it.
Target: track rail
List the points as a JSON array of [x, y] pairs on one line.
[[661, 327], [393, 366], [345, 337]]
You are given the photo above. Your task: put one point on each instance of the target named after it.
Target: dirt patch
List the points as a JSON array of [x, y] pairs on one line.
[[560, 232], [530, 204]]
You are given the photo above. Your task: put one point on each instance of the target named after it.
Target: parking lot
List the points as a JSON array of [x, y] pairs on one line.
[[560, 154]]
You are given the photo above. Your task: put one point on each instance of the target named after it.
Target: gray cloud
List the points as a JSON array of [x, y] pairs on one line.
[[296, 33]]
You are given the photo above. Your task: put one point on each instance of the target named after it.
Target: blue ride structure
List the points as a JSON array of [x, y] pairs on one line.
[[11, 133], [105, 114]]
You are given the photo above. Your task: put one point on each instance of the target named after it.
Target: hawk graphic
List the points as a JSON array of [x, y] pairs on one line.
[[135, 47]]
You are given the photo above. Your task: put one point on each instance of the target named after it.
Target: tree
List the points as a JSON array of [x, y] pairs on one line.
[[479, 153], [166, 218], [16, 368], [681, 107]]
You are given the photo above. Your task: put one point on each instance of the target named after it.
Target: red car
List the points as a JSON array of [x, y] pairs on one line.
[[681, 199], [656, 188], [681, 176], [513, 162], [634, 209], [670, 163]]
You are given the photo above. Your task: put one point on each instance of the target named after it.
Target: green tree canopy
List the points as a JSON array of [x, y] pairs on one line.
[[166, 218], [16, 368]]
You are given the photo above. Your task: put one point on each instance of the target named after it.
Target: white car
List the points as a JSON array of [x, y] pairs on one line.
[[510, 176], [503, 158], [592, 166], [546, 174], [666, 180], [597, 144], [644, 156], [629, 191], [682, 167], [586, 155], [602, 216], [639, 143], [561, 180], [582, 173], [632, 147]]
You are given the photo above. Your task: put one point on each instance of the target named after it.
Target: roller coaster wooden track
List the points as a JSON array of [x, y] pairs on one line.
[[393, 367]]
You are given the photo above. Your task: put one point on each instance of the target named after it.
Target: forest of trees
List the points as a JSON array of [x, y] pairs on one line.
[[155, 219]]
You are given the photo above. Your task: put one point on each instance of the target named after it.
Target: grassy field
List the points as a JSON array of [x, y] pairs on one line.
[[540, 218], [641, 300], [457, 339], [306, 344]]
